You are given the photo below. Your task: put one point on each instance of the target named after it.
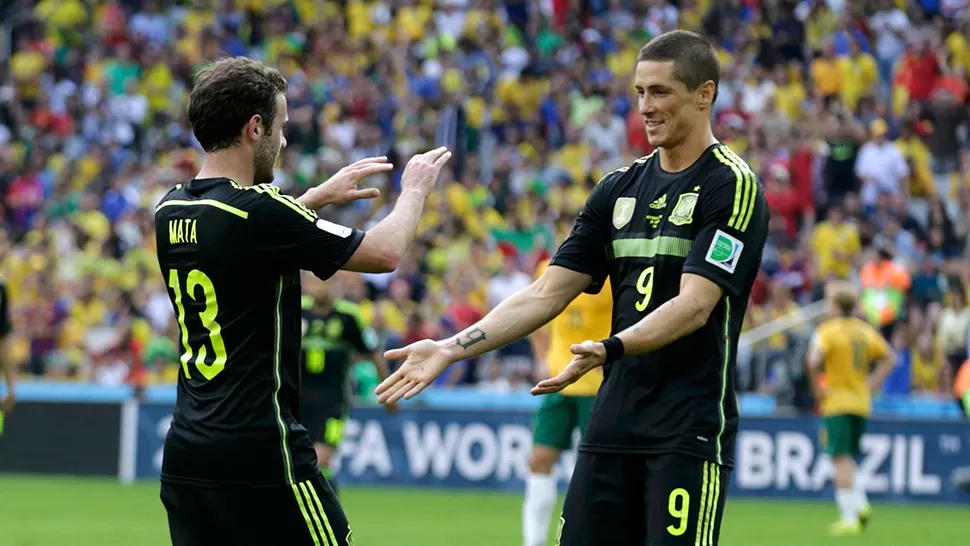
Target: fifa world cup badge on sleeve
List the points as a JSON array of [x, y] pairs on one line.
[[724, 251], [623, 211]]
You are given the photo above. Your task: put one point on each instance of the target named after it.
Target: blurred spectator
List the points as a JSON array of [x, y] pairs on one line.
[[880, 166]]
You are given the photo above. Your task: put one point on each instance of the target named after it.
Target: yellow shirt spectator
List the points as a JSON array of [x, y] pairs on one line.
[[26, 66], [835, 246], [859, 75], [574, 159], [789, 99], [359, 21], [918, 154], [412, 20], [157, 86], [61, 13], [959, 49], [927, 365], [827, 76]]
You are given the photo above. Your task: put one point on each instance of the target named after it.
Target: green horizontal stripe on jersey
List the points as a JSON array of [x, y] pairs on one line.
[[648, 248], [204, 202], [325, 344]]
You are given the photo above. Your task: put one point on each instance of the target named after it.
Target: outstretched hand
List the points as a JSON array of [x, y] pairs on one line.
[[425, 361], [588, 355], [341, 188]]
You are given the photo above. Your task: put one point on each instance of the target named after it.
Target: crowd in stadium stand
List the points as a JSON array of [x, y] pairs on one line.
[[854, 114]]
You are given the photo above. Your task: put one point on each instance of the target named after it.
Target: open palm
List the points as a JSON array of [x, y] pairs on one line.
[[424, 362], [588, 355]]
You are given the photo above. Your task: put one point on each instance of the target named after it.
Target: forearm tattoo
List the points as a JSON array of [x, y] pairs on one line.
[[469, 338]]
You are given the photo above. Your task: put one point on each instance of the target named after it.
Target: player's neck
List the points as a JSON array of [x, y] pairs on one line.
[[677, 158], [233, 164]]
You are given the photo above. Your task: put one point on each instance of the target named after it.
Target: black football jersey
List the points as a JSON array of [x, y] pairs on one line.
[[231, 257], [644, 227], [331, 340]]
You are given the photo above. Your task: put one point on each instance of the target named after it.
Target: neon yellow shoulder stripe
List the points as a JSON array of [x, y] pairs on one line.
[[745, 187], [297, 206], [752, 188], [204, 202]]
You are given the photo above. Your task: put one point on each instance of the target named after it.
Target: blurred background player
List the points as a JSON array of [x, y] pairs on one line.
[[588, 317], [844, 348], [333, 334]]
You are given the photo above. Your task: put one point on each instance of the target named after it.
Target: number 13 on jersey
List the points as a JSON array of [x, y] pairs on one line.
[[210, 309]]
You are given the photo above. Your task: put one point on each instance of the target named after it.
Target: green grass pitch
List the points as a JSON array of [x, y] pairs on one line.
[[59, 511]]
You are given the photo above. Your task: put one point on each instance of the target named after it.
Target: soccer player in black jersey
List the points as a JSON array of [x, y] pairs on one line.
[[680, 234], [333, 334], [238, 467]]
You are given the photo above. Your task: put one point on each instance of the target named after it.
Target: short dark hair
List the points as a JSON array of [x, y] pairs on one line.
[[695, 59], [226, 94]]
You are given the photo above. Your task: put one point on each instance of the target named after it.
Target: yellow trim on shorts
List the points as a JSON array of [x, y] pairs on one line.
[[312, 522]]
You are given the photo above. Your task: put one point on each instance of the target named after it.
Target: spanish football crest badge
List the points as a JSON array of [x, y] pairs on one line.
[[683, 212], [623, 211]]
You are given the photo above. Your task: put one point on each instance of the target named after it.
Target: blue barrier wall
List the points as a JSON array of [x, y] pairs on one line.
[[459, 438], [776, 457]]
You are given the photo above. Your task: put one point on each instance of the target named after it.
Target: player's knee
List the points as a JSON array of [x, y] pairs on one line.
[[324, 454], [543, 459]]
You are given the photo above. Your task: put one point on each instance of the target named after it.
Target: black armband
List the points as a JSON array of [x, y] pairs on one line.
[[614, 349]]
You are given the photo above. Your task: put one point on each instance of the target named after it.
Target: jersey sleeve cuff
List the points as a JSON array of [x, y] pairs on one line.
[[341, 259], [714, 278], [598, 277]]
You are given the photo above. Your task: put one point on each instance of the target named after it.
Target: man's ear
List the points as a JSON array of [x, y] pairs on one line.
[[706, 94], [255, 129]]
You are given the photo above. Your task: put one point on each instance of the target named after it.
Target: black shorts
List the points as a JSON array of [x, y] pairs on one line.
[[324, 422], [306, 513], [637, 500]]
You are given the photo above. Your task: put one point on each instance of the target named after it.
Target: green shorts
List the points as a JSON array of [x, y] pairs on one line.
[[842, 434], [558, 416]]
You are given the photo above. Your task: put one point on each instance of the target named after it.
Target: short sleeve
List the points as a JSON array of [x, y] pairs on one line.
[[291, 236], [584, 250], [734, 225]]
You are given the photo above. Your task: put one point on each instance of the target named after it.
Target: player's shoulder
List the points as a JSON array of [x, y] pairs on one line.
[[615, 183], [825, 327], [725, 168], [630, 172], [219, 193]]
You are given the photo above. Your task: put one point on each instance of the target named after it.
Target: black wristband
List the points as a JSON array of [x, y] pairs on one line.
[[614, 349]]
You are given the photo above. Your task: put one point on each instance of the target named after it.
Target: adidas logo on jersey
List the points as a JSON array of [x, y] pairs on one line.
[[660, 202]]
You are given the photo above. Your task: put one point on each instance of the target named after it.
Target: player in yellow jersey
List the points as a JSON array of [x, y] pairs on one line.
[[588, 317], [845, 348]]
